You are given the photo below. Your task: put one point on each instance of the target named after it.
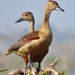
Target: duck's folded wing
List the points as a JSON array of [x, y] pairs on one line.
[[24, 40], [29, 37]]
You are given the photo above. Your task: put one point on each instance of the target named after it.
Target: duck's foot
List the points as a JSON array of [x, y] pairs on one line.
[[38, 69]]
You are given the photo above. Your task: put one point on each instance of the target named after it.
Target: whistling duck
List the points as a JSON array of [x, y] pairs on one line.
[[36, 43], [28, 16]]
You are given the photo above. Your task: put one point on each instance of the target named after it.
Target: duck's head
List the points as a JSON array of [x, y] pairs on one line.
[[26, 16], [53, 5]]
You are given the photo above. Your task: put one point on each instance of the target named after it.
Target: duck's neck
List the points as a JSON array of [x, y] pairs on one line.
[[47, 16], [32, 26], [45, 24]]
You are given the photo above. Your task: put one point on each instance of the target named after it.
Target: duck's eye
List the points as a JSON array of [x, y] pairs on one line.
[[52, 3], [26, 14]]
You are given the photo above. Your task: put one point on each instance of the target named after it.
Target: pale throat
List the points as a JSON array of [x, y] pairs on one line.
[[32, 26]]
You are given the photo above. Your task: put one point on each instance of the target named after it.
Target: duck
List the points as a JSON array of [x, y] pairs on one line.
[[34, 46]]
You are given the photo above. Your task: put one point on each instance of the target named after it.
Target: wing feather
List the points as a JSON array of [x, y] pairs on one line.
[[24, 40]]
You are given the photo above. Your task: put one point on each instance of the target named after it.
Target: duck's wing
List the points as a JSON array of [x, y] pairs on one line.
[[23, 40]]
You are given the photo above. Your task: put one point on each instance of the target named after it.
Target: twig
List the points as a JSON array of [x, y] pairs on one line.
[[4, 69], [18, 71], [50, 69], [31, 71], [45, 71]]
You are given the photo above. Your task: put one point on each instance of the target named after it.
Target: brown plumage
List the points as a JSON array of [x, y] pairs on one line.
[[26, 16], [36, 43]]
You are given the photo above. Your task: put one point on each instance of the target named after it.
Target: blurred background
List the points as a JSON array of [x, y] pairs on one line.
[[62, 25]]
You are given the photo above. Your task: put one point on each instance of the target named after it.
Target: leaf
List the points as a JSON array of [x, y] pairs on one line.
[[62, 73], [45, 73]]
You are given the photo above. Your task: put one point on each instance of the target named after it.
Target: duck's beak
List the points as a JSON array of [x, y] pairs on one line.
[[59, 8], [19, 20]]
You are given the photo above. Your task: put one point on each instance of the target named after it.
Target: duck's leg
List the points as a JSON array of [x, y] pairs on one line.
[[39, 66], [30, 63], [25, 69]]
